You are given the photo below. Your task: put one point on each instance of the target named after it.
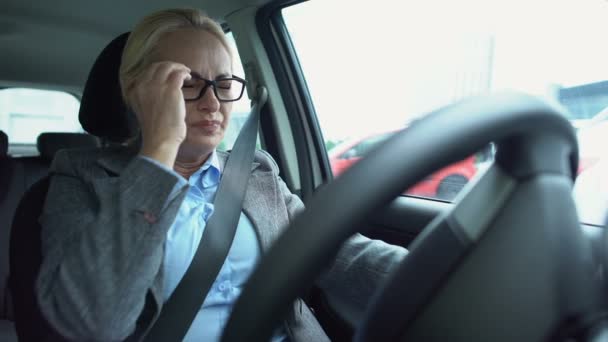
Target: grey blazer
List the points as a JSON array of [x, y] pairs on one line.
[[104, 224]]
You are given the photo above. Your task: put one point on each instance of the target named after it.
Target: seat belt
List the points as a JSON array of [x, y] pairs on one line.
[[181, 308]]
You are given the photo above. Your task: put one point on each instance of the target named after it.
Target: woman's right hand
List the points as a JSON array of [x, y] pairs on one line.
[[159, 105]]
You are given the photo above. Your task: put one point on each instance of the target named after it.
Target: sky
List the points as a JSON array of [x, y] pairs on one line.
[[374, 68]]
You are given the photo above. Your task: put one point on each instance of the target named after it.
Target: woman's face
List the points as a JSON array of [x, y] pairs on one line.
[[206, 118]]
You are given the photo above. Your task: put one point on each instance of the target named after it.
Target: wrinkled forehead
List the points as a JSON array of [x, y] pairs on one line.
[[198, 49]]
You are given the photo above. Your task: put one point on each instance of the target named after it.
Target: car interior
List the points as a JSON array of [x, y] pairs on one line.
[[509, 258]]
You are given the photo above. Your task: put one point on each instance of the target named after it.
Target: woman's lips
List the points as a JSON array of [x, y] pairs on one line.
[[207, 126]]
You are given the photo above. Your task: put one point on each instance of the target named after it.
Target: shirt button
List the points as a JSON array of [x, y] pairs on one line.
[[224, 286]]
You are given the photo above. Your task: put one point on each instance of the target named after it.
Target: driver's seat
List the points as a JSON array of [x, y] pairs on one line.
[[102, 114]]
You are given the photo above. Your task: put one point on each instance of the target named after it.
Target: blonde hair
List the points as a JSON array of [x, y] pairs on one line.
[[145, 36]]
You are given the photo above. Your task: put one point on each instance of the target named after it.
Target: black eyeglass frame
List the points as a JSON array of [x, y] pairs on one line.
[[213, 84]]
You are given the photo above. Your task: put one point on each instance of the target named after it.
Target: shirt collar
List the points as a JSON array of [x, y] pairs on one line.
[[209, 173]]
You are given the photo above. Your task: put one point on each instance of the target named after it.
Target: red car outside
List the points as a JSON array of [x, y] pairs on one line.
[[592, 138], [443, 184]]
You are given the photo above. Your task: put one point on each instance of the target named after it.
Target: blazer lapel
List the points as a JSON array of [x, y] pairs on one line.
[[256, 205], [260, 207]]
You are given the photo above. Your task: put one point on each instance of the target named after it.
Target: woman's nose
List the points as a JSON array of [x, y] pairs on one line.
[[208, 102]]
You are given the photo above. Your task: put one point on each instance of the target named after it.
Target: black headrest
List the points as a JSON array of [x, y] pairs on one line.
[[103, 113], [50, 143], [3, 144]]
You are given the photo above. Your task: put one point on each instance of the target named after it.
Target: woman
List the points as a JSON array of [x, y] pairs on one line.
[[120, 227]]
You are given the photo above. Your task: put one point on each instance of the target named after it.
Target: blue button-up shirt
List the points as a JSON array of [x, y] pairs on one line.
[[182, 241]]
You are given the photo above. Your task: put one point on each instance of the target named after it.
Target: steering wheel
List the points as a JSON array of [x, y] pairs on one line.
[[507, 206]]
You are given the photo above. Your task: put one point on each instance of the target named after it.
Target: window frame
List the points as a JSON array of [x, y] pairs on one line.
[[312, 157]]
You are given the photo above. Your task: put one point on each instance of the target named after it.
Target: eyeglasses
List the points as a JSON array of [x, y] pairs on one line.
[[225, 89]]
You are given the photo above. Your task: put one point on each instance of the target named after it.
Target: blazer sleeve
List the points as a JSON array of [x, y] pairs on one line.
[[358, 269], [102, 245]]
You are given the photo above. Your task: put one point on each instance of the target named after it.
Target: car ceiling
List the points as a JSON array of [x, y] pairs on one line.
[[52, 44]]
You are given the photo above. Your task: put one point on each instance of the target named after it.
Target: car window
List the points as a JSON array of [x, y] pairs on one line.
[[406, 59], [25, 113], [240, 108]]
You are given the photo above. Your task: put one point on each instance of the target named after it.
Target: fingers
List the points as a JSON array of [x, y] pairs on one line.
[[147, 75], [157, 77], [176, 78], [160, 72], [170, 71]]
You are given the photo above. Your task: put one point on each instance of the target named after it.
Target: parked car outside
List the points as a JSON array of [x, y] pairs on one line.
[[591, 193], [444, 184], [592, 140], [591, 187]]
